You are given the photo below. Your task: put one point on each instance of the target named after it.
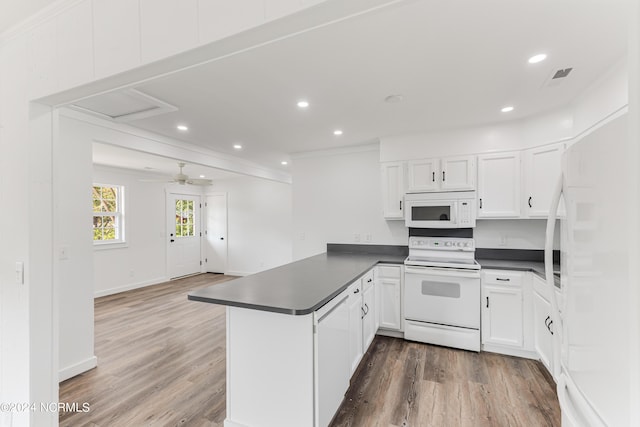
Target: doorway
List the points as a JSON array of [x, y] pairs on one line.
[[216, 232], [183, 229]]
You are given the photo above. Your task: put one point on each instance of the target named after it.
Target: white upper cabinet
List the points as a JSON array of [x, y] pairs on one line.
[[422, 175], [393, 190], [499, 185], [458, 173], [42, 60], [168, 27], [116, 51], [221, 18], [446, 174], [74, 35], [542, 168]]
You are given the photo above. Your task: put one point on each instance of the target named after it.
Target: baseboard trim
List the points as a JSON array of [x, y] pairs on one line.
[[526, 354], [77, 369], [390, 333], [130, 287], [238, 273]]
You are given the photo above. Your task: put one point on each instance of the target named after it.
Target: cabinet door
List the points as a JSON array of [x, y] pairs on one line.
[[424, 175], [502, 316], [390, 304], [542, 169], [458, 173], [499, 185], [369, 320], [543, 341], [333, 361], [355, 328], [393, 190]]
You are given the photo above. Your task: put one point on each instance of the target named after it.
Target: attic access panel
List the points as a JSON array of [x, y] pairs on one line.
[[123, 106]]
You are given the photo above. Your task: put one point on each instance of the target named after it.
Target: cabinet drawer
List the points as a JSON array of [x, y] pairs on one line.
[[389, 271], [367, 280], [502, 277]]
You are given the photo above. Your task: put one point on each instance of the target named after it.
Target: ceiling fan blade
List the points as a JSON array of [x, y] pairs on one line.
[[200, 182]]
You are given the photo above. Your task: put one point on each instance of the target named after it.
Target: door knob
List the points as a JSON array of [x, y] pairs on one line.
[[172, 240], [222, 238]]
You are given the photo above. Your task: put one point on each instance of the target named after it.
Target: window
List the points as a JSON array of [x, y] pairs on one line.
[[108, 214], [185, 218]]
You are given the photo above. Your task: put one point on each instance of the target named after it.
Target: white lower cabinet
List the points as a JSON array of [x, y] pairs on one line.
[[542, 323], [355, 325], [506, 318], [333, 371], [502, 316], [389, 282], [369, 313]]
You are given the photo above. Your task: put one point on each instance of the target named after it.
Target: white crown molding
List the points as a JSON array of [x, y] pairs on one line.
[[43, 15], [370, 146]]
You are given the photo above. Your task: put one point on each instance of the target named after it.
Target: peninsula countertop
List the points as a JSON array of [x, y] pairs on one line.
[[297, 288]]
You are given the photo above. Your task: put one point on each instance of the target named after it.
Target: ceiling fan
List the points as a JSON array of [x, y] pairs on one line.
[[182, 179]]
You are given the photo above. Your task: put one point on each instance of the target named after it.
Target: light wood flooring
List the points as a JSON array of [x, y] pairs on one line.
[[161, 362]]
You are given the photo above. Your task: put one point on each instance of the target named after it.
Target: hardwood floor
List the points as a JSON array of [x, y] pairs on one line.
[[161, 362]]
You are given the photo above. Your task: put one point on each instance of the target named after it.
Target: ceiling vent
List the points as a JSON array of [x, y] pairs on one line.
[[561, 74], [123, 106], [557, 77]]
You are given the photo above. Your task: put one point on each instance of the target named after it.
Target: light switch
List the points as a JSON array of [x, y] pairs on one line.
[[20, 273]]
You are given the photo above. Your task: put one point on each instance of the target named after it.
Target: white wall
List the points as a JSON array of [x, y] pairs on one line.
[[73, 234], [336, 195], [259, 223], [142, 261]]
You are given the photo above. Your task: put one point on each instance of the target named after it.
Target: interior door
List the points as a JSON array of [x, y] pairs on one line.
[[183, 222], [216, 233]]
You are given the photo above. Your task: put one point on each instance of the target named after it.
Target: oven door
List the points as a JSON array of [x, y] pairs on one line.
[[445, 296], [431, 214]]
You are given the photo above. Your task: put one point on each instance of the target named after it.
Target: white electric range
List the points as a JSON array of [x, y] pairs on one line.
[[442, 292]]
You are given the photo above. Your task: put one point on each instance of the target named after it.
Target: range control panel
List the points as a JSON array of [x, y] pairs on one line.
[[442, 243]]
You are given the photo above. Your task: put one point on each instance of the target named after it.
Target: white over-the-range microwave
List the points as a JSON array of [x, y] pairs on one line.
[[440, 210]]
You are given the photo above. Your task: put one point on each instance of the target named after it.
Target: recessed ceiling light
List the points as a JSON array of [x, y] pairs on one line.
[[337, 132], [507, 109], [237, 146], [201, 176], [183, 128], [537, 58], [303, 104], [284, 163], [392, 99]]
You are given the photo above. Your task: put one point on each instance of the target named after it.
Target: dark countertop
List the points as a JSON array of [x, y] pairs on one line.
[[298, 288], [533, 266]]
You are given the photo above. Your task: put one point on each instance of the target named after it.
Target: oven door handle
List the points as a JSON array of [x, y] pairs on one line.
[[445, 272]]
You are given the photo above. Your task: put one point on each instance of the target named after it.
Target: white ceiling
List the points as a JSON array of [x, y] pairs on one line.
[[110, 155], [455, 62], [13, 12]]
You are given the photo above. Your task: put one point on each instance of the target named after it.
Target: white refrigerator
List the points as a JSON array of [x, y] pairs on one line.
[[595, 371]]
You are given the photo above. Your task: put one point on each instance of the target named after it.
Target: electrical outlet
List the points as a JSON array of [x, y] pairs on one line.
[[303, 236], [503, 240], [356, 237], [63, 252], [367, 237], [131, 273]]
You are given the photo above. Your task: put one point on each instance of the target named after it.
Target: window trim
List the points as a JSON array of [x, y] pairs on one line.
[[120, 219]]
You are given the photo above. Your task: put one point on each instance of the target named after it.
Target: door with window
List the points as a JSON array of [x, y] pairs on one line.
[[183, 254]]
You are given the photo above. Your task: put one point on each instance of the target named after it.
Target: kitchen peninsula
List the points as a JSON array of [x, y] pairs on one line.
[[289, 353]]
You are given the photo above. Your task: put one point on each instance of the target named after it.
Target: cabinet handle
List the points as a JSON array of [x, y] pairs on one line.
[[546, 320], [367, 309], [500, 279], [356, 291], [363, 313], [530, 202], [400, 204], [442, 176], [487, 302], [433, 177], [480, 203], [549, 327], [370, 280]]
